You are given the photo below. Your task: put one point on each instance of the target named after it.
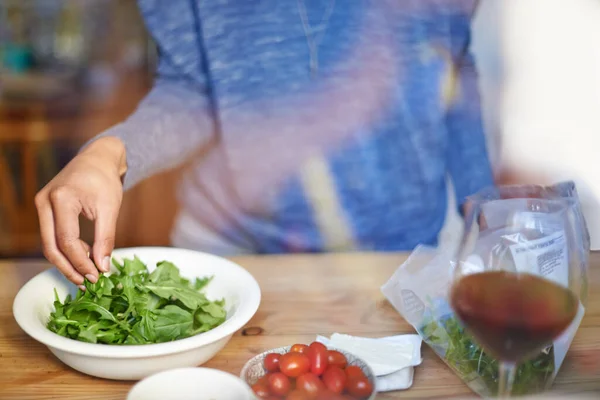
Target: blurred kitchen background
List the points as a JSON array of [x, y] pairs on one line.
[[68, 70], [71, 68]]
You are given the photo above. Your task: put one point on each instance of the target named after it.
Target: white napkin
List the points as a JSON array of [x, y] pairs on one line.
[[391, 358]]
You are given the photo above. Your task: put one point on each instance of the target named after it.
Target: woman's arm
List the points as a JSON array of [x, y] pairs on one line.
[[175, 120], [171, 124]]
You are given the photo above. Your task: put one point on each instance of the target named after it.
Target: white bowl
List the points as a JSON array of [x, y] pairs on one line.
[[191, 384], [34, 303]]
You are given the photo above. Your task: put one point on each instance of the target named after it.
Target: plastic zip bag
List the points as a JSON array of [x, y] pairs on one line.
[[551, 240]]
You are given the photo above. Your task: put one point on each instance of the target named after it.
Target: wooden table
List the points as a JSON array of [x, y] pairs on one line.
[[303, 295]]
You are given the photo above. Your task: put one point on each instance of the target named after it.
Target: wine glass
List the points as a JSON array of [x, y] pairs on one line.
[[514, 286]]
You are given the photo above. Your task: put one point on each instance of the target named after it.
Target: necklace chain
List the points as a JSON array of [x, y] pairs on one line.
[[313, 41]]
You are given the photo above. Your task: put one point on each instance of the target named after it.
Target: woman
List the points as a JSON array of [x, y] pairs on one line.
[[312, 125]]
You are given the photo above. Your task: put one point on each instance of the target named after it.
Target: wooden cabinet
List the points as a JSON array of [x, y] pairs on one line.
[[148, 212], [34, 142]]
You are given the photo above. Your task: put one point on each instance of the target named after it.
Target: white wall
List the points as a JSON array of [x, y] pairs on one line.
[[486, 45], [542, 94]]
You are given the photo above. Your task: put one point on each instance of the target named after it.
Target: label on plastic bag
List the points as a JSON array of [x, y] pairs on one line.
[[426, 274], [547, 257], [412, 305]]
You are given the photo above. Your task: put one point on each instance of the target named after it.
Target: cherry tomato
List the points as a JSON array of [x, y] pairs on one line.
[[299, 348], [264, 380], [310, 383], [279, 384], [294, 364], [335, 379], [317, 353], [336, 358], [272, 362], [329, 395], [297, 395], [261, 391], [352, 371], [359, 387]]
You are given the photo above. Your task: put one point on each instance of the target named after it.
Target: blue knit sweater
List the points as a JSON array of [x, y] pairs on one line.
[[345, 146]]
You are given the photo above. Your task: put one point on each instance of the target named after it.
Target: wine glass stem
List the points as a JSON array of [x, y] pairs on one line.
[[507, 377]]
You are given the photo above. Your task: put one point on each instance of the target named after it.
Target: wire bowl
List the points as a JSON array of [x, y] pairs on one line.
[[254, 369]]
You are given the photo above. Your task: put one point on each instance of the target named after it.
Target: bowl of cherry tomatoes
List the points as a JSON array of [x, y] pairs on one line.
[[302, 372]]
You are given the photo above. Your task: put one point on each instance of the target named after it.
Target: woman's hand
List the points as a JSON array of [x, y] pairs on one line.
[[90, 185]]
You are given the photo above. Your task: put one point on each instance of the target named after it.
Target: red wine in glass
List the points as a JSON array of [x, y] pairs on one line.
[[512, 316]]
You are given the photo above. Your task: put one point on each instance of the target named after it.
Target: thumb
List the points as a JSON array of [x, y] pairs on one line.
[[105, 227]]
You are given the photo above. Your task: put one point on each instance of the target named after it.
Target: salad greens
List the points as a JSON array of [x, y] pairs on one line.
[[461, 353], [137, 307]]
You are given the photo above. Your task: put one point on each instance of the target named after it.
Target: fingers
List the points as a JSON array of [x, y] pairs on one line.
[[104, 236], [66, 209], [81, 188], [50, 248], [87, 248]]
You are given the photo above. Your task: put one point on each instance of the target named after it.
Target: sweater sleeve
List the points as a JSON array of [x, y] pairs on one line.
[[175, 120], [169, 125], [468, 161]]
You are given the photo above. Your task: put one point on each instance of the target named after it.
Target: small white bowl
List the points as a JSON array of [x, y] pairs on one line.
[[34, 303], [191, 384]]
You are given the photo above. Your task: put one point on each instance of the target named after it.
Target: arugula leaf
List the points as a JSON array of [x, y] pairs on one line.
[[135, 307], [172, 323], [91, 306], [87, 336], [175, 292], [145, 328], [117, 265], [165, 272], [134, 267], [200, 283], [460, 351], [214, 310], [102, 287]]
